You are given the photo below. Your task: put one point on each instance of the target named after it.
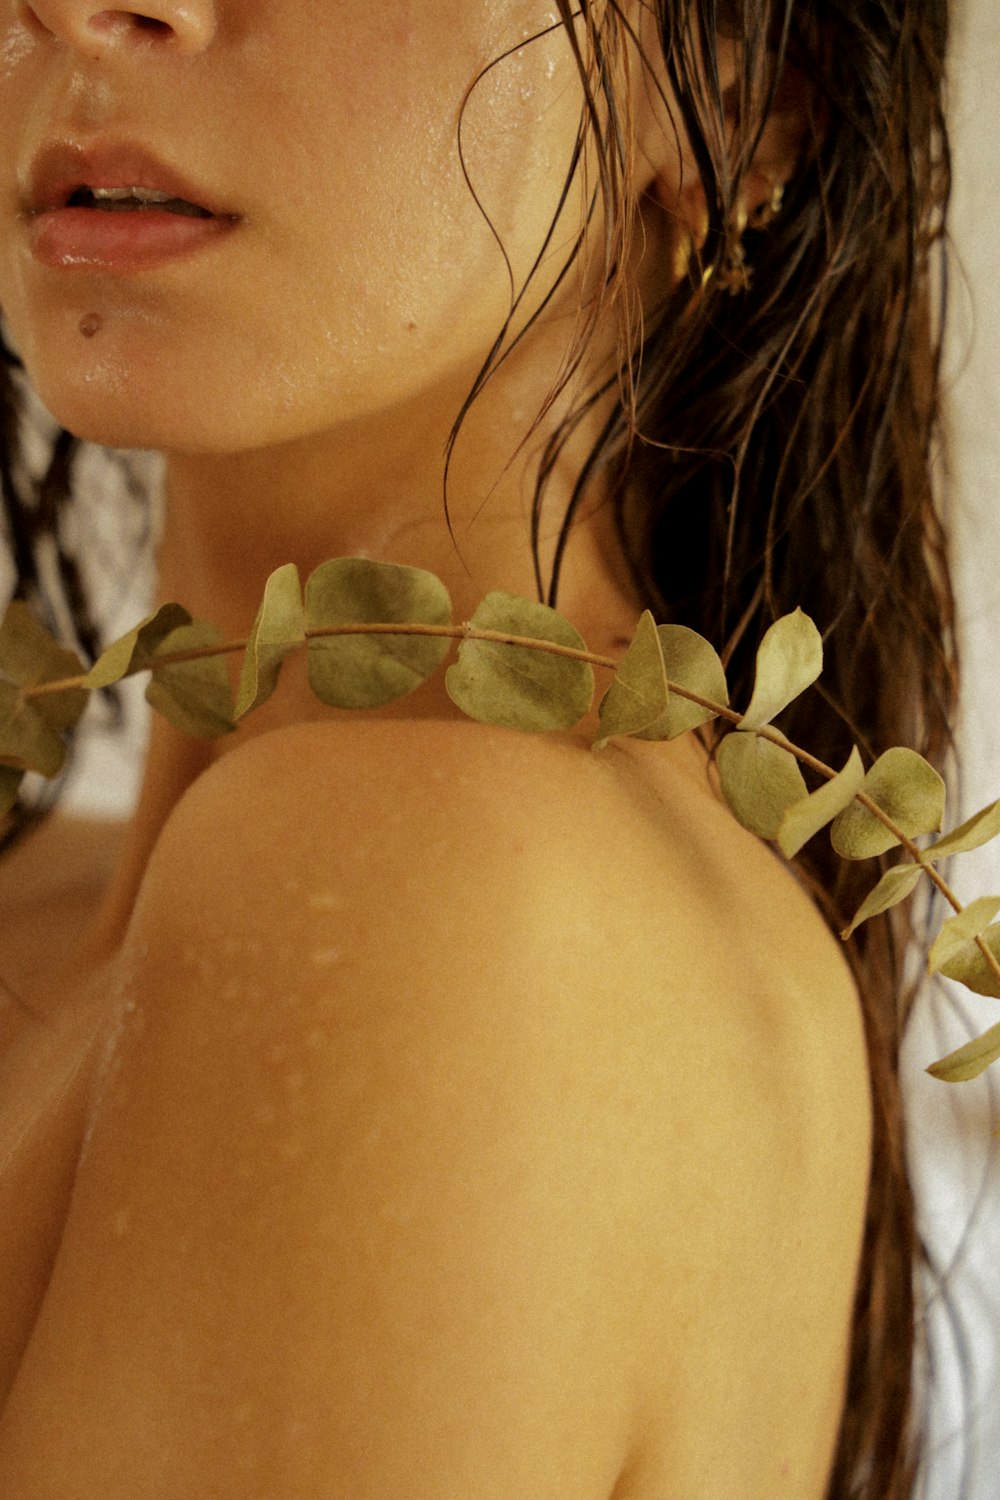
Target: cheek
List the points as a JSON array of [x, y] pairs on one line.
[[441, 166], [366, 272]]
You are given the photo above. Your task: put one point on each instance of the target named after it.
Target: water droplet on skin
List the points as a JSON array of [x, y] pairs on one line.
[[324, 901], [90, 324]]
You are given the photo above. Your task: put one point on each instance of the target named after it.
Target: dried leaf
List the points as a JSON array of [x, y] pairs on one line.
[[969, 966], [29, 656], [961, 929], [906, 788], [365, 671], [806, 818], [638, 695], [972, 834], [193, 695], [969, 1061], [521, 687], [10, 785], [760, 781], [691, 663], [789, 659], [896, 884], [279, 628], [133, 652]]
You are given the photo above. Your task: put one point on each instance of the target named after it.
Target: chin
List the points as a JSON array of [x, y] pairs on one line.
[[117, 405], [113, 416], [126, 383]]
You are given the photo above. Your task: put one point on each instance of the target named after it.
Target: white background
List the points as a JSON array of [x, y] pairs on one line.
[[954, 1152]]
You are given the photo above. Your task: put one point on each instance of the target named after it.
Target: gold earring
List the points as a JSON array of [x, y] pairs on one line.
[[765, 213], [689, 248], [734, 273]]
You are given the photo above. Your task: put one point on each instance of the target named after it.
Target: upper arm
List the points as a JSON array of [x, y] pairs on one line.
[[400, 1161]]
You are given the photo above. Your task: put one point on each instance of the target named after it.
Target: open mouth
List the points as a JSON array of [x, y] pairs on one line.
[[123, 200]]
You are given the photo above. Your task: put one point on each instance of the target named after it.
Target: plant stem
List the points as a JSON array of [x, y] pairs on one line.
[[468, 632]]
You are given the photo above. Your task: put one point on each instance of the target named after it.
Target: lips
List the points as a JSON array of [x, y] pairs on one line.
[[60, 171], [116, 208]]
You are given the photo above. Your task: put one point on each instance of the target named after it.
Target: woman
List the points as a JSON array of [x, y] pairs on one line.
[[425, 1109]]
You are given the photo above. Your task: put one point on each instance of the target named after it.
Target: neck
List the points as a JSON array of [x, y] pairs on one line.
[[372, 489], [377, 487]]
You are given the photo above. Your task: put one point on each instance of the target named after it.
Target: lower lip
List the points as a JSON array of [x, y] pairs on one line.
[[134, 240]]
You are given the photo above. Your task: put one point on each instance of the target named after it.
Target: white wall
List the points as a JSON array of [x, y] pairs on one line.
[[954, 1151]]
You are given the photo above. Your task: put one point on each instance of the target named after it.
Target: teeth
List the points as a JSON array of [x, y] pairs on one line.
[[133, 199], [122, 194]]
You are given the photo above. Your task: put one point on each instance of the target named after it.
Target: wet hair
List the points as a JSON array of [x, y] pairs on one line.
[[770, 444], [766, 443]]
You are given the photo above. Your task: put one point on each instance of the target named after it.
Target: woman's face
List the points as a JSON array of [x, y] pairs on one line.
[[342, 266]]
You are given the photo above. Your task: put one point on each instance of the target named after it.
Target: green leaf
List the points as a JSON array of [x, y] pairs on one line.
[[691, 663], [28, 653], [28, 742], [638, 695], [961, 929], [972, 834], [279, 628], [969, 1061], [193, 695], [132, 652], [29, 656], [896, 884], [806, 818], [519, 686], [906, 788], [10, 785], [968, 965], [365, 671], [789, 659], [760, 781]]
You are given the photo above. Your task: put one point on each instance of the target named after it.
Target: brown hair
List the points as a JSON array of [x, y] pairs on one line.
[[767, 447], [770, 446]]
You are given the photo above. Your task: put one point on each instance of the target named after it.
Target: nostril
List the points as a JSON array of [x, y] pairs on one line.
[[147, 23], [129, 20], [186, 26]]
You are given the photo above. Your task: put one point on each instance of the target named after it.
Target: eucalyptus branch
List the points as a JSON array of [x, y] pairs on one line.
[[372, 632], [464, 632]]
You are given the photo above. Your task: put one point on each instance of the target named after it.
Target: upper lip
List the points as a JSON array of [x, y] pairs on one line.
[[59, 170]]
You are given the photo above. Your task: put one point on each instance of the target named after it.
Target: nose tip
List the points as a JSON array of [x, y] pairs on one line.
[[186, 26]]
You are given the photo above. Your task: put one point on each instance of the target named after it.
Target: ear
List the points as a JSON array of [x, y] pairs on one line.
[[752, 172]]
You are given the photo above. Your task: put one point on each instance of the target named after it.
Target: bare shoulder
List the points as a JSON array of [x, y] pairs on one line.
[[614, 874], [497, 1078], [433, 844]]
